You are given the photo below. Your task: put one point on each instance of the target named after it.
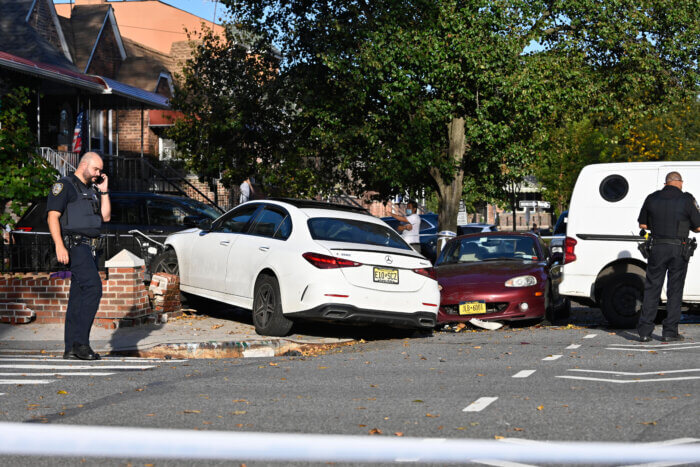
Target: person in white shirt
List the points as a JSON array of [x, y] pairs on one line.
[[410, 229], [247, 190]]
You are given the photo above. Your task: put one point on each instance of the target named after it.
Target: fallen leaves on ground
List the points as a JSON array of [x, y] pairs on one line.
[[540, 407], [61, 392], [648, 423], [191, 411], [432, 415], [217, 326], [398, 433], [375, 431]]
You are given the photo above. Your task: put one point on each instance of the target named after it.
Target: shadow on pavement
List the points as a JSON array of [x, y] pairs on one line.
[[128, 338]]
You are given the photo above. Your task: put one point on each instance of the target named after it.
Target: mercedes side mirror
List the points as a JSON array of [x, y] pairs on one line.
[[205, 225], [191, 221]]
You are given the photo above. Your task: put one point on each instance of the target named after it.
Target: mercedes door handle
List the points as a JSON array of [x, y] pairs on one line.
[[224, 242], [263, 248]]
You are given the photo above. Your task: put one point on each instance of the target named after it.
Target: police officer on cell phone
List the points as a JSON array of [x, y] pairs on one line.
[[669, 214], [76, 207]]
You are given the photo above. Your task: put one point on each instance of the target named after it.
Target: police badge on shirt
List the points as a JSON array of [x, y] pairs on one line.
[[57, 188]]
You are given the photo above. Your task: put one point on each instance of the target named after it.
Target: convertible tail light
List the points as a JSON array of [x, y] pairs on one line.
[[569, 246], [427, 272], [329, 262]]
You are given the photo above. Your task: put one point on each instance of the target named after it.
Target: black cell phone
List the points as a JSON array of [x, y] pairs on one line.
[[99, 179]]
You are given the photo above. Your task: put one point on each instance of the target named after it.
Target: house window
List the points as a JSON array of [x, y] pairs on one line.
[[96, 130], [166, 149]]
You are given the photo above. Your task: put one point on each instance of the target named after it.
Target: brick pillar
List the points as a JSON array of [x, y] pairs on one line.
[[124, 295]]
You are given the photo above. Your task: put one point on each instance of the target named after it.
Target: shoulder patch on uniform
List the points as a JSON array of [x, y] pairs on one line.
[[57, 188]]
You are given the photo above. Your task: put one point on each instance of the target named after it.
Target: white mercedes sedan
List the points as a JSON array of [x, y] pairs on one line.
[[288, 259]]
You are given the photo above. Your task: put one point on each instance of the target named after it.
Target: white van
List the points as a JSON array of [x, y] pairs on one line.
[[602, 264]]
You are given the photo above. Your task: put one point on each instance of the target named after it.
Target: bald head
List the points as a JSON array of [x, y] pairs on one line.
[[89, 167], [674, 179]]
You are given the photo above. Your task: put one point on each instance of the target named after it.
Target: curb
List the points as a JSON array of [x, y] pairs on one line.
[[229, 349], [203, 350]]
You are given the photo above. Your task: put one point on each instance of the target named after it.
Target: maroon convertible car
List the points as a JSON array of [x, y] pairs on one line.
[[502, 276]]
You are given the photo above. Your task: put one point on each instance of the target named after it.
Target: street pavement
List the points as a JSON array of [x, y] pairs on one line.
[[517, 386]]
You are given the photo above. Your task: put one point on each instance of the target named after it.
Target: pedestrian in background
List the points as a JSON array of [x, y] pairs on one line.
[[669, 214], [76, 207], [410, 229], [535, 229], [247, 190]]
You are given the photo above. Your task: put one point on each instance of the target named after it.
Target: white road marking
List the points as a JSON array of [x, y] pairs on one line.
[[655, 345], [479, 404], [574, 346], [2, 393], [551, 357], [523, 373], [590, 336], [665, 348], [25, 381], [641, 373], [621, 381], [61, 373], [78, 367], [145, 443]]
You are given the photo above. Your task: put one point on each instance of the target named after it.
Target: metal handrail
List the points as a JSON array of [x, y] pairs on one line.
[[180, 178], [64, 162]]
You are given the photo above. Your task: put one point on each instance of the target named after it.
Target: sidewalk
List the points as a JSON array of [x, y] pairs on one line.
[[188, 336]]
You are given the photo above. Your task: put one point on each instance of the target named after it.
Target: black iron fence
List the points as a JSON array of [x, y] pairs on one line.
[[35, 251]]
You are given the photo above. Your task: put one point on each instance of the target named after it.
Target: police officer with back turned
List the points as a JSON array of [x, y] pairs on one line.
[[77, 206], [669, 214]]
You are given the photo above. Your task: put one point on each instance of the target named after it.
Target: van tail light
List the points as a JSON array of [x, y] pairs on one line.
[[569, 245], [427, 272], [329, 262]]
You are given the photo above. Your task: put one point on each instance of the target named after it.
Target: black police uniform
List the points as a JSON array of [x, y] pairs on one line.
[[80, 220], [669, 214]]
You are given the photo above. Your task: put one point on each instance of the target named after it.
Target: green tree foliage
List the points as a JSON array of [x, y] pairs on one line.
[[234, 113], [396, 95], [23, 176]]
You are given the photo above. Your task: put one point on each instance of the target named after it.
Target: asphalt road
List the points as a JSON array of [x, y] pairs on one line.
[[583, 382]]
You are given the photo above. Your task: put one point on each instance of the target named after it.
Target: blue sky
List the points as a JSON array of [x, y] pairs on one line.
[[208, 9]]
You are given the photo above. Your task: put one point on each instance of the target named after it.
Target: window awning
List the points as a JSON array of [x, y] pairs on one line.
[[160, 118]]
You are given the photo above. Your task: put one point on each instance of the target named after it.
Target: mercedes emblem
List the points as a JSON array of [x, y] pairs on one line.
[[388, 259]]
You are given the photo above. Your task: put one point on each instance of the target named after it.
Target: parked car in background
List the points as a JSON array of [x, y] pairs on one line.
[[465, 229], [428, 233], [290, 259], [155, 215], [498, 276]]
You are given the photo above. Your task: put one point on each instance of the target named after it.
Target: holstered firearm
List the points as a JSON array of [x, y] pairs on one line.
[[645, 246], [688, 247]]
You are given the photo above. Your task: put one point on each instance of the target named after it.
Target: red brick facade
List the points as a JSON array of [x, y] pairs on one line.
[[125, 300]]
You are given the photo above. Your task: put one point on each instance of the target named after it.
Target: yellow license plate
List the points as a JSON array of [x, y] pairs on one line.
[[472, 308], [386, 275]]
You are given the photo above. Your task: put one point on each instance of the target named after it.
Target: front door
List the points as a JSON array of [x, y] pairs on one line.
[[209, 253]]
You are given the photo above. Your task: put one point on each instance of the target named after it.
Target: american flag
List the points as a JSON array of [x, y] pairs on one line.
[[78, 134]]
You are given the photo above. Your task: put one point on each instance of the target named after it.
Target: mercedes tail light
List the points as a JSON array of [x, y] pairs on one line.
[[569, 246], [329, 262], [427, 272]]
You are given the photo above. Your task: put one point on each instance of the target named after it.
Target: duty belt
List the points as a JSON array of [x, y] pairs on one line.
[[666, 241], [72, 240]]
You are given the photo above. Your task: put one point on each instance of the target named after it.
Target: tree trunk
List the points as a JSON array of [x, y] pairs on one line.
[[449, 194]]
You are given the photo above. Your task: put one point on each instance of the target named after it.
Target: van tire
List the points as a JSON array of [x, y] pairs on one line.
[[267, 308], [621, 300]]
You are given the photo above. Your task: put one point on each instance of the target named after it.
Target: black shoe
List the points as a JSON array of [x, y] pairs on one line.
[[84, 352], [644, 338], [69, 355], [676, 338]]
